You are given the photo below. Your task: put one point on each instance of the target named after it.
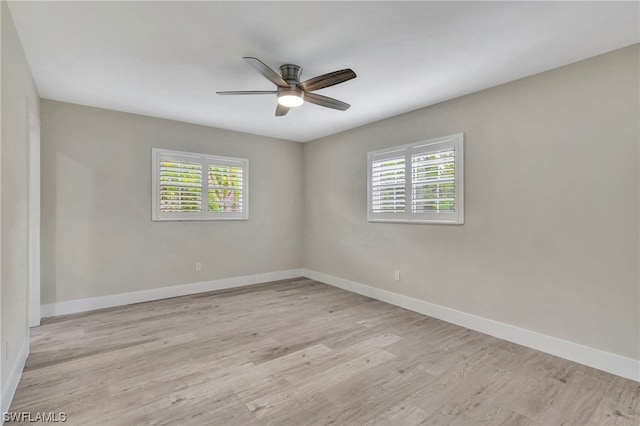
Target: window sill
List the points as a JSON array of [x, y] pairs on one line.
[[418, 222], [197, 219]]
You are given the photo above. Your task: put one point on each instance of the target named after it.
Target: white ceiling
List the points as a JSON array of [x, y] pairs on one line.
[[167, 59]]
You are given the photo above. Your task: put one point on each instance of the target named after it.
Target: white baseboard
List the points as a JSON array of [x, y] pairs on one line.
[[606, 361], [92, 303], [10, 387]]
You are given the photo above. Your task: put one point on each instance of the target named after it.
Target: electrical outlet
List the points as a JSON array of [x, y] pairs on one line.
[[396, 275], [198, 266]]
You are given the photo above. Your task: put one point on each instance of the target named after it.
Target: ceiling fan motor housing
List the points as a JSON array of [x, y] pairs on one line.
[[291, 73]]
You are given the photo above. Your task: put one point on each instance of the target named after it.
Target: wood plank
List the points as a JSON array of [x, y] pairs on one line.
[[298, 352]]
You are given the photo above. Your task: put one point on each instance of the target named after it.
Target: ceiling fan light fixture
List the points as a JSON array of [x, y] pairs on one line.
[[290, 98]]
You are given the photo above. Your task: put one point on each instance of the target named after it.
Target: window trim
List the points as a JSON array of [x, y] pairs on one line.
[[205, 160], [455, 141]]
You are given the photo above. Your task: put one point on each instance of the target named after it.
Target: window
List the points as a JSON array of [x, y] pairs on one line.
[[190, 186], [420, 182]]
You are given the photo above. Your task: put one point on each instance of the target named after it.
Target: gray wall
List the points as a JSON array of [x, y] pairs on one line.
[[18, 89], [97, 234], [550, 240]]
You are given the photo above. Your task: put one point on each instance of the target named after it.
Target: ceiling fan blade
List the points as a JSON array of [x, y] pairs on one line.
[[326, 101], [281, 110], [248, 92], [326, 80], [266, 72]]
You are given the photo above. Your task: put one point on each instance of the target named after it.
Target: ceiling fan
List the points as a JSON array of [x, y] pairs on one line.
[[291, 93]]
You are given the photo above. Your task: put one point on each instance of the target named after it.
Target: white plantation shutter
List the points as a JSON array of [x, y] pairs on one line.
[[421, 182], [433, 182], [226, 187], [388, 185], [191, 186], [180, 186]]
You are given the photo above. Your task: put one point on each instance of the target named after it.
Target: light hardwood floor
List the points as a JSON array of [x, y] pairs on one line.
[[298, 352]]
